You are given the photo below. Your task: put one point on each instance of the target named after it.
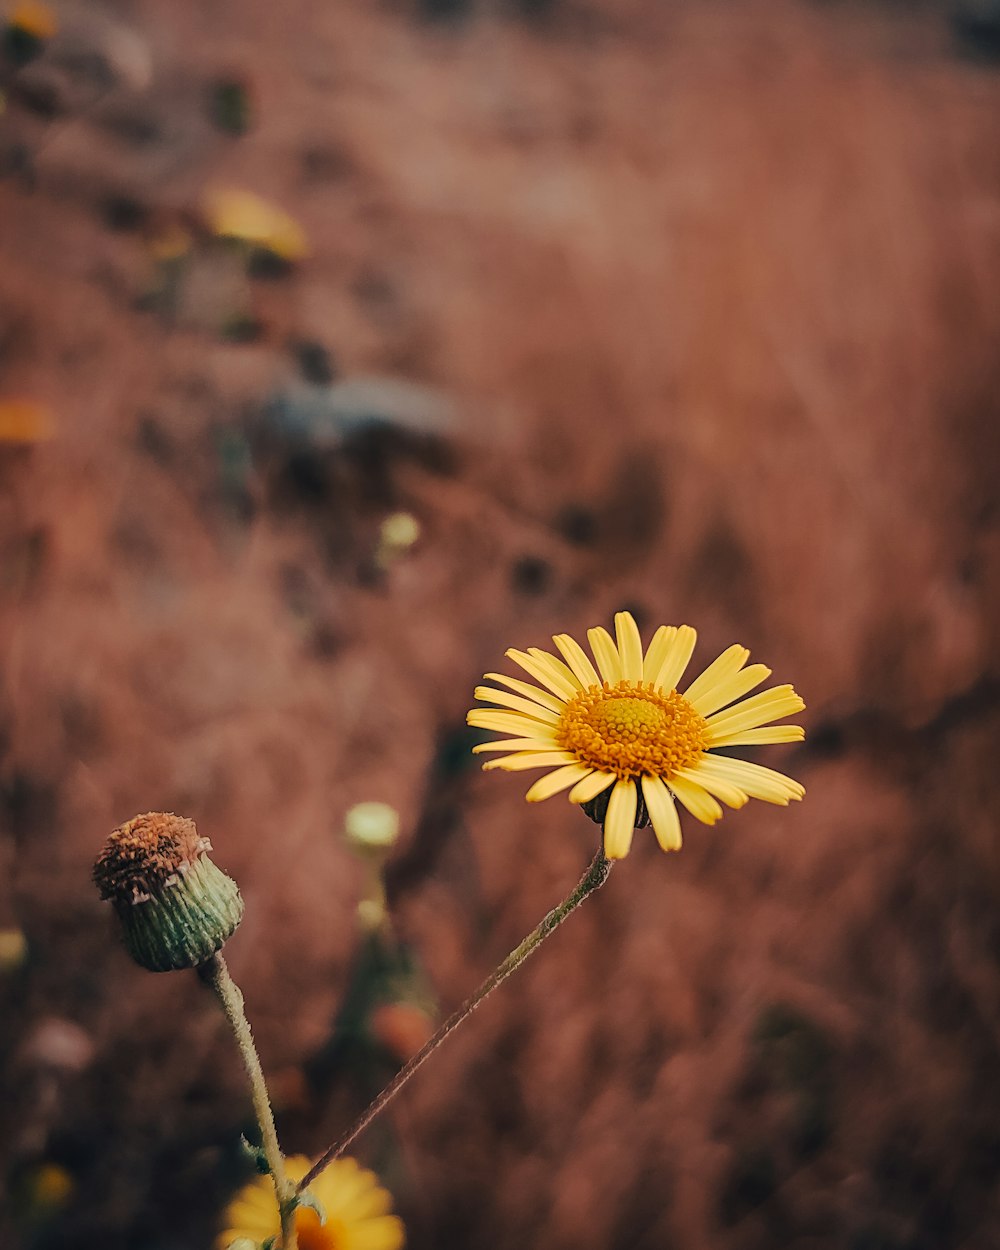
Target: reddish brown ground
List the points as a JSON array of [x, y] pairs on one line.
[[713, 293]]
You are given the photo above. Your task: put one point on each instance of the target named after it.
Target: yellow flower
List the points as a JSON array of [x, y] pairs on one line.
[[235, 214], [50, 1187], [626, 742], [355, 1205], [34, 18], [24, 421]]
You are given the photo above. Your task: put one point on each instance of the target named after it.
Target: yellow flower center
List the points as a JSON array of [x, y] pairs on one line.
[[632, 728], [312, 1235]]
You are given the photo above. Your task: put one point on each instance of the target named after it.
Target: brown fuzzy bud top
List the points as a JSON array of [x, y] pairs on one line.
[[175, 906], [146, 855]]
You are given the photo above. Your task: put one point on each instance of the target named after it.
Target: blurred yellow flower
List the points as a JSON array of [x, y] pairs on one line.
[[235, 214], [355, 1205], [13, 949], [371, 826], [50, 1187], [626, 743], [34, 18], [399, 530], [170, 243], [24, 421]]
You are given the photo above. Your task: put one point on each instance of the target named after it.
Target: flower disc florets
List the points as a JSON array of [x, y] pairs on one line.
[[630, 729], [146, 854]]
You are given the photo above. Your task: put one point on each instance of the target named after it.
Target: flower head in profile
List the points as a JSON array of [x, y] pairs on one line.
[[626, 741], [355, 1211]]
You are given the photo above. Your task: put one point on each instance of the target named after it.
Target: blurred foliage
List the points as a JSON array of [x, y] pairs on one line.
[[229, 106], [386, 1015]]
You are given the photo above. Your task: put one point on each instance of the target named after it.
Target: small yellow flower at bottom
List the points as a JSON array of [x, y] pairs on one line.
[[619, 735], [356, 1210]]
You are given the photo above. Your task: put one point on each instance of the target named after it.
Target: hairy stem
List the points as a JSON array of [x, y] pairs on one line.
[[592, 879], [216, 974]]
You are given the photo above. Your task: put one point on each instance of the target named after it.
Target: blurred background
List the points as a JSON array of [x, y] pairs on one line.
[[343, 346]]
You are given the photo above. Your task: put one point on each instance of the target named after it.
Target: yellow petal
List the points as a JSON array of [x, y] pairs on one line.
[[757, 781], [371, 1204], [531, 759], [769, 705], [662, 813], [558, 667], [657, 651], [768, 735], [551, 701], [720, 787], [729, 689], [508, 723], [553, 782], [339, 1188], [590, 787], [543, 673], [699, 803], [629, 646], [619, 823], [297, 1166], [514, 744], [385, 1233], [729, 662], [577, 659], [606, 654], [677, 658], [516, 704]]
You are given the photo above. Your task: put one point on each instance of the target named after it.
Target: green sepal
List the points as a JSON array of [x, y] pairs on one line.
[[256, 1155], [307, 1199], [186, 922]]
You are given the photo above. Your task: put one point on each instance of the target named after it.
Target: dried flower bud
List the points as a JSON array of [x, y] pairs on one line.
[[175, 906]]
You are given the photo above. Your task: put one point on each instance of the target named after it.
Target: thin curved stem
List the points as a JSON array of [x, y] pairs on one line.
[[216, 973], [592, 879]]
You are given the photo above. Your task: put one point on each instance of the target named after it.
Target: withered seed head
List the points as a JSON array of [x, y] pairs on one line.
[[176, 907], [147, 854]]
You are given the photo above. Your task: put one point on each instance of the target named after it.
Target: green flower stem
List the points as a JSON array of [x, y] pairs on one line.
[[215, 972], [592, 879]]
